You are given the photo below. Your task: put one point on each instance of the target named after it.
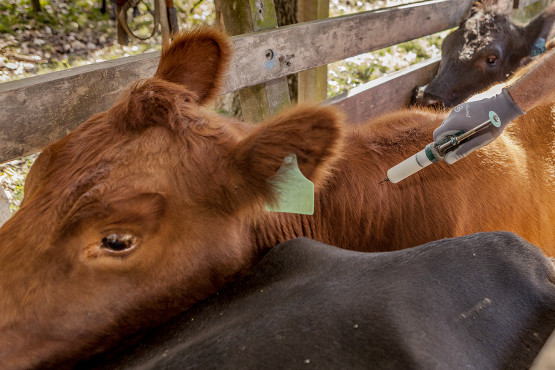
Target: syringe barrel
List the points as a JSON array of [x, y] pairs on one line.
[[409, 166]]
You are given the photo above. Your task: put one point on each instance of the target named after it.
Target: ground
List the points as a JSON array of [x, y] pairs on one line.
[[66, 34]]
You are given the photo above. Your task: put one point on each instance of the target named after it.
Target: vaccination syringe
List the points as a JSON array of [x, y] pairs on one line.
[[434, 152]]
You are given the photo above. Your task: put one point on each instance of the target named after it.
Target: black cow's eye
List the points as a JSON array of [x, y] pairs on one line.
[[491, 60], [119, 242]]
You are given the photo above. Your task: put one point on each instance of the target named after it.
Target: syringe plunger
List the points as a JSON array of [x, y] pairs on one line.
[[409, 166]]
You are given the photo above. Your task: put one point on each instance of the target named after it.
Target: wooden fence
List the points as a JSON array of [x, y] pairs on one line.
[[38, 110]]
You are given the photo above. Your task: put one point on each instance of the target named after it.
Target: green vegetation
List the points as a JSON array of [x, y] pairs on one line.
[[346, 74], [12, 178], [71, 16]]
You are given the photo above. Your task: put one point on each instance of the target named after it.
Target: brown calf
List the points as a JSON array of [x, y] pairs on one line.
[[151, 206]]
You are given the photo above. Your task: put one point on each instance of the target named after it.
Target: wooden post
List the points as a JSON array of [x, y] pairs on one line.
[[123, 38], [164, 23], [245, 16], [313, 83], [36, 5], [172, 17]]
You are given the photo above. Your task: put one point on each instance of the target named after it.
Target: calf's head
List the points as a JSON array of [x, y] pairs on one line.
[[487, 48], [144, 209]]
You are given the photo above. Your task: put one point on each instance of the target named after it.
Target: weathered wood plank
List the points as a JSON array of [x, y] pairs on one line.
[[385, 94], [311, 44], [37, 110]]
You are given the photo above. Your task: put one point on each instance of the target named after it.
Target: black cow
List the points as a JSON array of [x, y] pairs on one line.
[[485, 301], [487, 48]]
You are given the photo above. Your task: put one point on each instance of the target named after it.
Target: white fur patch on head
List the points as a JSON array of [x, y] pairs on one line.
[[478, 32]]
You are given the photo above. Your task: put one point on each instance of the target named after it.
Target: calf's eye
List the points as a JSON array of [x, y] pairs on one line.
[[491, 60], [119, 242]]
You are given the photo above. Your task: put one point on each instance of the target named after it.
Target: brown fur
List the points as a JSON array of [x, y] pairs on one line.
[[191, 187]]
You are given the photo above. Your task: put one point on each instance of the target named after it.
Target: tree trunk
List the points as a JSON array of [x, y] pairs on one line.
[[286, 11], [36, 5]]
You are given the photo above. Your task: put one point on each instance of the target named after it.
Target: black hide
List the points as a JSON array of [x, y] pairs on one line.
[[484, 301]]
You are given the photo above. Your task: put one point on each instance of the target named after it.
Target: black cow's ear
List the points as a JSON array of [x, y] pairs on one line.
[[482, 6], [542, 27], [476, 7], [471, 12]]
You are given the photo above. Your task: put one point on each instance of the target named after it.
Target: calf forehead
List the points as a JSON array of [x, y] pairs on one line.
[[479, 33], [124, 153], [96, 157]]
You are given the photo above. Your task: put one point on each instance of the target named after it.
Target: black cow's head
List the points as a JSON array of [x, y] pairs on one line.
[[487, 48]]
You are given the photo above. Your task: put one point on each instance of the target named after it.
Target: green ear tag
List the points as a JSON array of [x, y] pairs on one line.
[[295, 192]]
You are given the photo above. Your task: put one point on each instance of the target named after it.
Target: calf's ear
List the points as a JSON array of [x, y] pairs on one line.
[[198, 60], [471, 12], [482, 6], [313, 134]]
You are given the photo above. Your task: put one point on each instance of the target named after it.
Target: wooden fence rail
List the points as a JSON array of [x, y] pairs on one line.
[[38, 110], [384, 94]]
